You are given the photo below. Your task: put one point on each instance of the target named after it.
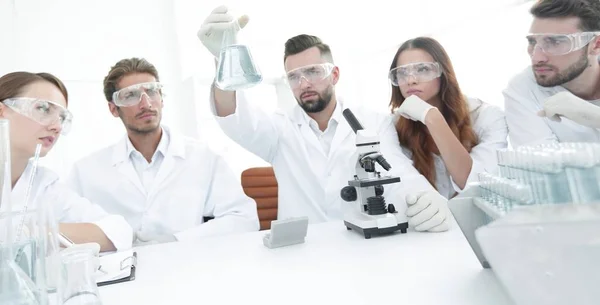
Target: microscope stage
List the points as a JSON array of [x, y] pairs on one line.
[[373, 181]]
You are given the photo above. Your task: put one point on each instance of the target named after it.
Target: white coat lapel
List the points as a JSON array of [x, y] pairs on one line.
[[124, 166], [168, 168], [126, 169], [343, 130], [309, 135], [300, 118]]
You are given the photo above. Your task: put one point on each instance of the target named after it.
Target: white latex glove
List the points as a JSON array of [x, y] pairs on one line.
[[152, 239], [427, 211], [414, 108], [213, 27], [572, 107]]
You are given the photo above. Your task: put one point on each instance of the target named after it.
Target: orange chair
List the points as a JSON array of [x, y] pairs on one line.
[[259, 183]]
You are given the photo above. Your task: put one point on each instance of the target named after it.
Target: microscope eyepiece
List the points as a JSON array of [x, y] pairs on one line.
[[352, 120]]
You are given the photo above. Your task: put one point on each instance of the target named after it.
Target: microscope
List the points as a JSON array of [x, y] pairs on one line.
[[370, 214]]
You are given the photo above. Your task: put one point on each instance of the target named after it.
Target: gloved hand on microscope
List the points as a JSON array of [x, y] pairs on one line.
[[427, 211]]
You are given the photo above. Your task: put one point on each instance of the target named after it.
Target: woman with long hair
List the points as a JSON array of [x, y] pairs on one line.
[[35, 105], [449, 136]]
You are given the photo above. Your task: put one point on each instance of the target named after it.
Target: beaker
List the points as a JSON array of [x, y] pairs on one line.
[[79, 285], [236, 68], [16, 288]]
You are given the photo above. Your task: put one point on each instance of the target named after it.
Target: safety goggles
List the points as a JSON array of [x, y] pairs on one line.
[[43, 112], [132, 95], [559, 44], [421, 71], [311, 73]]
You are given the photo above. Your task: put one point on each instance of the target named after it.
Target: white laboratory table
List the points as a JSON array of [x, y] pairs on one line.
[[333, 266]]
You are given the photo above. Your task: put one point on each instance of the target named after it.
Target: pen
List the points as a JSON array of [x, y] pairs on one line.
[[65, 241]]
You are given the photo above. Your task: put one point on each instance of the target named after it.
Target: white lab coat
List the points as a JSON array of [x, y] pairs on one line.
[[489, 124], [192, 182], [310, 181], [68, 207], [523, 98]]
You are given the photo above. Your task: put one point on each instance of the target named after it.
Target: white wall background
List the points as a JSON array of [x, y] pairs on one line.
[[79, 41]]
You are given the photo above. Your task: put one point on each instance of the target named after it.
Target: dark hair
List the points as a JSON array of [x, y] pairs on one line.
[[588, 11], [414, 135], [13, 84], [303, 42], [125, 67]]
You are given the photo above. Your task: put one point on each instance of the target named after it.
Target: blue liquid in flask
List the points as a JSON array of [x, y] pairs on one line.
[[236, 69]]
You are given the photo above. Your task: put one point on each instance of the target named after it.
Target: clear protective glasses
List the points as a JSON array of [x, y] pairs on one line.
[[43, 112], [311, 73], [421, 71], [559, 44], [132, 95]]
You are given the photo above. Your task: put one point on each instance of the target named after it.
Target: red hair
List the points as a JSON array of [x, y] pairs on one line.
[[414, 135]]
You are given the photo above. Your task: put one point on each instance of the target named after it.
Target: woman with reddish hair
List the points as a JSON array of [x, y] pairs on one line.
[[449, 136]]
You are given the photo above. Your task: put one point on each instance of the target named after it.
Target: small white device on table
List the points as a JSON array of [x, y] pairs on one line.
[[286, 232]]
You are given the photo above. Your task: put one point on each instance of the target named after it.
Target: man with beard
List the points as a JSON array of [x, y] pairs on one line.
[[165, 184], [312, 147], [557, 99]]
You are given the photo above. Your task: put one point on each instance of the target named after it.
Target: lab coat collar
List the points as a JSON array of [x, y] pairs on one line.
[[163, 145], [474, 104], [343, 130], [175, 146]]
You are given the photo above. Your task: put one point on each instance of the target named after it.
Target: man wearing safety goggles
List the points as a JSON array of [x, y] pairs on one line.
[[557, 99], [164, 184], [311, 147]]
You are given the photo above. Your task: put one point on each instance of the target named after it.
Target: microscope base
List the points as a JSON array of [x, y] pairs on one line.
[[375, 231]]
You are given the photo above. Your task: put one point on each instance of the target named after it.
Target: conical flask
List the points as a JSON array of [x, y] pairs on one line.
[[236, 68], [16, 288]]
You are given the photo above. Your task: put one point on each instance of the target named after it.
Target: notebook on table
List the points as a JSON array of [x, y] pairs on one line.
[[116, 267]]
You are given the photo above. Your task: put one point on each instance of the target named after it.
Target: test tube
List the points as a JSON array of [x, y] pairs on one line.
[[581, 162]]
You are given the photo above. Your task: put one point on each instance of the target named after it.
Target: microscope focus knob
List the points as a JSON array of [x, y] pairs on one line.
[[378, 190], [391, 208], [348, 193]]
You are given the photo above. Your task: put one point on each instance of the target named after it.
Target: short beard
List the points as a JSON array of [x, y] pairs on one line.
[[140, 131], [568, 75], [320, 104]]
